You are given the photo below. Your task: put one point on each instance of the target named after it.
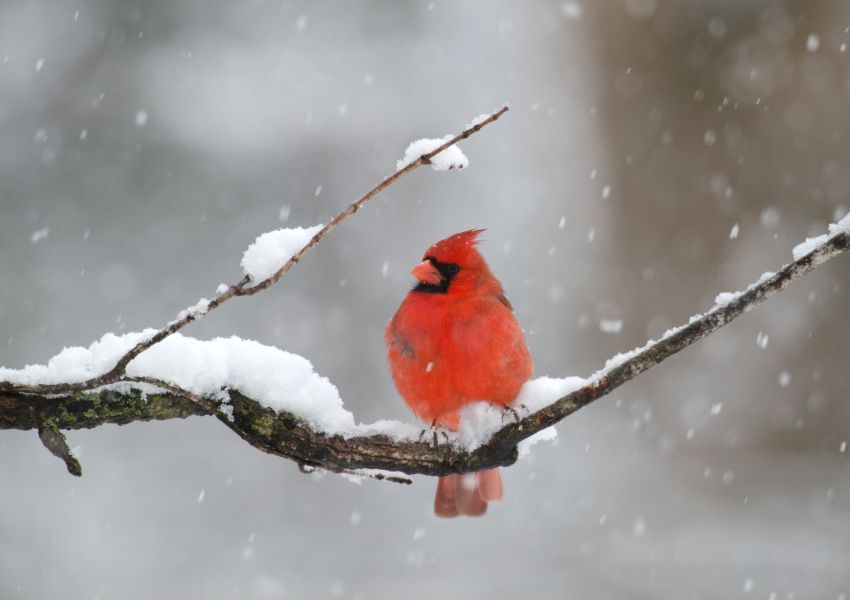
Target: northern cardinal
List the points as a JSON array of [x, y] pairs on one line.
[[454, 340]]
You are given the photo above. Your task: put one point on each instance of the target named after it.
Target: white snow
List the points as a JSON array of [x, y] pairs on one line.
[[273, 249], [275, 378], [476, 121], [544, 435], [198, 310], [813, 42], [733, 233], [725, 297], [39, 235], [842, 226], [803, 248], [480, 420], [77, 364], [395, 430], [610, 325], [278, 379], [483, 117], [450, 158], [283, 213]]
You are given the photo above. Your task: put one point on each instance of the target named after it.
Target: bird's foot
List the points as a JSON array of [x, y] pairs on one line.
[[435, 432], [509, 410]]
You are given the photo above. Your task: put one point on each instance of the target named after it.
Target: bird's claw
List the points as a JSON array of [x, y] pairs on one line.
[[435, 431], [509, 410]]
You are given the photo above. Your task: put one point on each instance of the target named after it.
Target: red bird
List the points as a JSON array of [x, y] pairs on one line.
[[454, 340]]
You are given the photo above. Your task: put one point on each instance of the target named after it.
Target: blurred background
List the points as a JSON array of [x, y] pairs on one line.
[[656, 153]]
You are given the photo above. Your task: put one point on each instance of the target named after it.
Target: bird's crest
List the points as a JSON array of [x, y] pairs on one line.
[[455, 247]]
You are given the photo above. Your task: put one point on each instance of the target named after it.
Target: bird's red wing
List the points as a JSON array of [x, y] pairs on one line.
[[504, 300], [418, 359]]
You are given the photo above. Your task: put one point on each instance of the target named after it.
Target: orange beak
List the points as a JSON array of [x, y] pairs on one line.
[[427, 273]]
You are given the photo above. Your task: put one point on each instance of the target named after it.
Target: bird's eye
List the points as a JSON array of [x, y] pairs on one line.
[[453, 269]]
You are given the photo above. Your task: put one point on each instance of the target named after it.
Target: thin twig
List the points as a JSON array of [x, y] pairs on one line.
[[241, 288], [284, 434], [355, 206]]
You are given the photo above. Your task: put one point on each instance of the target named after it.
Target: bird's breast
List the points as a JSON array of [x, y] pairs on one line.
[[446, 352]]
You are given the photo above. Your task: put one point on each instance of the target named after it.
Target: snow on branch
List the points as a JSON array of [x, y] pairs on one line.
[[451, 158], [265, 262], [275, 248], [270, 420]]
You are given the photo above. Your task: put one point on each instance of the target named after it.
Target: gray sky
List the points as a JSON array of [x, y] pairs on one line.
[[154, 140]]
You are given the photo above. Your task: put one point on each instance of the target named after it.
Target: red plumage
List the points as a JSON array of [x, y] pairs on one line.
[[454, 340]]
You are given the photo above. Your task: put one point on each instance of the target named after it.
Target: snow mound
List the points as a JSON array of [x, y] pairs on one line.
[[275, 378], [450, 158], [273, 249], [75, 364], [480, 420]]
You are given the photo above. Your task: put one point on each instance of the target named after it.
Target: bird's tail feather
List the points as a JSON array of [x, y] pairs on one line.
[[467, 494]]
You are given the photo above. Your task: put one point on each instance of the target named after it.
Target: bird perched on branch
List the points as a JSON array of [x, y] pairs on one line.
[[454, 340]]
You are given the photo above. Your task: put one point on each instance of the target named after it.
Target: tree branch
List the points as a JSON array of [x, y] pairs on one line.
[[286, 435], [242, 287]]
